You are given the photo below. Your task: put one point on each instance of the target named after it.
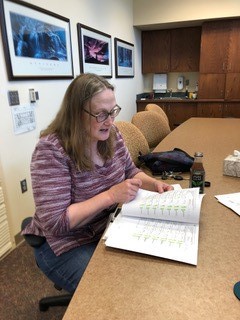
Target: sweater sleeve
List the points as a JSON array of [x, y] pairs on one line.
[[51, 184]]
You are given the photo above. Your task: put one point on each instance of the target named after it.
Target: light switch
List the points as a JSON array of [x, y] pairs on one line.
[[13, 98]]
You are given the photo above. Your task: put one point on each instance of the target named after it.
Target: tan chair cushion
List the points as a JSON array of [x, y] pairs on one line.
[[152, 125], [158, 109], [134, 139]]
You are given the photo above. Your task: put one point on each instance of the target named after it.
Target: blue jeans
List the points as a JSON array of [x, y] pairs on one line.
[[67, 269]]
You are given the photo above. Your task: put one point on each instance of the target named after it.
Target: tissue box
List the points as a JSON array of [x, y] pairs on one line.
[[231, 166]]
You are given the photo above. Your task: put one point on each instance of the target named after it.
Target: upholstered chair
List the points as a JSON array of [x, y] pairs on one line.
[[153, 126], [134, 139], [158, 109]]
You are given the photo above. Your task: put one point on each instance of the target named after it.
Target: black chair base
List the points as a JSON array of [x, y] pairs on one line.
[[62, 300]]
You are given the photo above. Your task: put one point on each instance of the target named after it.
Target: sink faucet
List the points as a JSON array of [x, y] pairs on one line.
[[170, 92]]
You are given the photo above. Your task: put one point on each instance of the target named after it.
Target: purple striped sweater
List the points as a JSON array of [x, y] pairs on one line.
[[56, 184]]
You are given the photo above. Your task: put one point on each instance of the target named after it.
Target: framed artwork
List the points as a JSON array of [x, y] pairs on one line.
[[94, 51], [37, 43], [124, 59]]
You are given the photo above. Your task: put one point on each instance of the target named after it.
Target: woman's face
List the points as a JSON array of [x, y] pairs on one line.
[[103, 101]]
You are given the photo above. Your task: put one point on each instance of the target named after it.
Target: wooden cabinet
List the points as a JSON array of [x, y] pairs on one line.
[[232, 88], [185, 49], [214, 47], [141, 104], [211, 86], [231, 110], [173, 50], [234, 47], [156, 51], [179, 112], [210, 109], [219, 60]]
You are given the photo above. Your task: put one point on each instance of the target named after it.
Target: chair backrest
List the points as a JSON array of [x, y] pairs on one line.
[[156, 108], [134, 139], [152, 125]]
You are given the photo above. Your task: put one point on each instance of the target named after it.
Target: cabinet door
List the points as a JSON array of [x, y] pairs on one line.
[[210, 110], [214, 47], [155, 51], [234, 47], [141, 105], [231, 110], [179, 112], [185, 49], [211, 86], [232, 89]]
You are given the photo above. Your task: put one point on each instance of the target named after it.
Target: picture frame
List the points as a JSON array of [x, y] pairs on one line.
[[95, 51], [36, 42], [124, 58]]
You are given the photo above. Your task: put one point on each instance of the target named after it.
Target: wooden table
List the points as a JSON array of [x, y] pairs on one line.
[[124, 285]]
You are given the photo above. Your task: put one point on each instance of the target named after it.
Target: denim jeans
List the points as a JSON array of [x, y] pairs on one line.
[[67, 269]]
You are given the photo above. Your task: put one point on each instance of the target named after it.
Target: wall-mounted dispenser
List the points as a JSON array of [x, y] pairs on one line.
[[160, 83], [180, 82]]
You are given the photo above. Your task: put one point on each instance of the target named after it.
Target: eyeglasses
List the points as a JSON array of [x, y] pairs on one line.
[[103, 115]]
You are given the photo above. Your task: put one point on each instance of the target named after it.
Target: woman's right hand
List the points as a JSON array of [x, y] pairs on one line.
[[125, 191]]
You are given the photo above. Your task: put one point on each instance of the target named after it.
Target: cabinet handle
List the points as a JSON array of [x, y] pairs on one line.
[[223, 66]]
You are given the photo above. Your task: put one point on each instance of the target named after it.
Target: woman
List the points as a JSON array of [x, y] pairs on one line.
[[81, 170]]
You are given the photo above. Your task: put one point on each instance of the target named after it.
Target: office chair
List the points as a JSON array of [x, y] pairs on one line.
[[156, 108], [134, 140], [152, 125], [45, 303]]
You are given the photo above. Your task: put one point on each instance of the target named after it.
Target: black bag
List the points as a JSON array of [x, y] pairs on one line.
[[175, 160]]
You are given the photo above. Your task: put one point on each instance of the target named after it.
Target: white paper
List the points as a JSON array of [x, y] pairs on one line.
[[170, 240], [231, 200], [177, 205], [23, 118]]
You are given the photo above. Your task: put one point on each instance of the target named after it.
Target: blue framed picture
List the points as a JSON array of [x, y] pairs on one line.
[[124, 59], [37, 43]]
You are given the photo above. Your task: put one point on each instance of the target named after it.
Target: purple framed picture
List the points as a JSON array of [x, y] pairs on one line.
[[94, 51]]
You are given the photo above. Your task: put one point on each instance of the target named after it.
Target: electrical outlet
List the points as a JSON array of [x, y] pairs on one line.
[[23, 184]]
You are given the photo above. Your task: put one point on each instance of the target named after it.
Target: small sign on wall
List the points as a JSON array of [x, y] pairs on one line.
[[23, 118]]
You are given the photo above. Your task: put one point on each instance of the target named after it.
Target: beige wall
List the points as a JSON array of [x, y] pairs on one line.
[[186, 12]]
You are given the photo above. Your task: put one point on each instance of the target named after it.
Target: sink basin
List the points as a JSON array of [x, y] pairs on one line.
[[170, 98]]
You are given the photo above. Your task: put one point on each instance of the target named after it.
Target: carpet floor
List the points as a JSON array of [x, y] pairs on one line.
[[22, 285]]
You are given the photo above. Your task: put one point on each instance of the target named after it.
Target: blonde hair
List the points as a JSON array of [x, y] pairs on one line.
[[69, 123]]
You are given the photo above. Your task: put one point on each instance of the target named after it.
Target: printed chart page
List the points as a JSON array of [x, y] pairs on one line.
[[166, 239], [177, 205]]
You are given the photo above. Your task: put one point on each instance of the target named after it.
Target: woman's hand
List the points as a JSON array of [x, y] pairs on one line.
[[162, 187], [151, 184], [125, 191]]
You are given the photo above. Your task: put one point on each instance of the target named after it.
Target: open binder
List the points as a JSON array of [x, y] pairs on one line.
[[164, 225]]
